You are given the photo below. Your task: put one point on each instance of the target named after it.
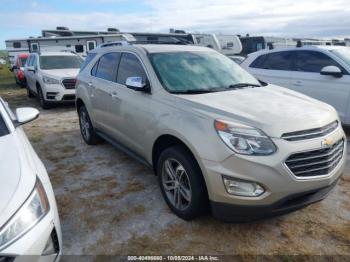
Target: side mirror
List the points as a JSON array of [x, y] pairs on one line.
[[26, 114], [136, 83], [31, 68], [331, 71]]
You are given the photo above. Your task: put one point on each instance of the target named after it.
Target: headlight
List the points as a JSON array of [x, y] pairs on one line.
[[31, 212], [244, 139], [50, 81]]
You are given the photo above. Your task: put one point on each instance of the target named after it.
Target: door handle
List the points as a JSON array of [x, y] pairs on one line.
[[114, 95]]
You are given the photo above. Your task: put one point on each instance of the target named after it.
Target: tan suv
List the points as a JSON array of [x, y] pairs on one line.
[[216, 137]]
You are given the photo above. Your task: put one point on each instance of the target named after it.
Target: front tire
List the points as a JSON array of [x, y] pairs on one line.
[[43, 103], [86, 128], [181, 183]]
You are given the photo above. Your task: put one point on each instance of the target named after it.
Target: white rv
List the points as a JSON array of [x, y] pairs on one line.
[[225, 44], [78, 44]]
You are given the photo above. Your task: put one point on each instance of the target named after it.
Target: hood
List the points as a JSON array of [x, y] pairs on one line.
[[62, 73], [16, 180], [273, 109]]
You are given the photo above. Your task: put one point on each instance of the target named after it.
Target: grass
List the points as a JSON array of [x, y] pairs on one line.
[[6, 76]]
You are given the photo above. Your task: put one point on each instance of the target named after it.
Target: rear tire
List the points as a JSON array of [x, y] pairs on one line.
[[43, 103], [86, 128], [182, 183]]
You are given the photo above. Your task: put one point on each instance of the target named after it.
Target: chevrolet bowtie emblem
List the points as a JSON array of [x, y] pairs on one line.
[[327, 142]]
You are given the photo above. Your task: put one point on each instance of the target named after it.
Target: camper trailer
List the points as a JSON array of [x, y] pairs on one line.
[[78, 44], [225, 44], [252, 44]]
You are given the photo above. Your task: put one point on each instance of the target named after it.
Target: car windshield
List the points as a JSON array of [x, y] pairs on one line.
[[23, 61], [343, 53], [60, 62], [196, 72]]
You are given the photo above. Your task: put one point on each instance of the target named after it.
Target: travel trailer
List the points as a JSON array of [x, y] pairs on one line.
[[251, 44], [78, 44], [225, 44]]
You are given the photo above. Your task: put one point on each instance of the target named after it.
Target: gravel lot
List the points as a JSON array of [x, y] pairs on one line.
[[110, 204]]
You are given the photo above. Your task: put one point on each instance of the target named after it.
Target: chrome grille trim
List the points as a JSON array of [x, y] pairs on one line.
[[319, 162], [311, 133], [69, 83]]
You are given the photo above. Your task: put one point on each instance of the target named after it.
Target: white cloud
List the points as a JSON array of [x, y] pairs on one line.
[[267, 17]]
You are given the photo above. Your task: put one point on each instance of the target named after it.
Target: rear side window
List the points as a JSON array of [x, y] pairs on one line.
[[16, 44], [313, 62], [275, 61], [106, 66], [130, 66], [87, 60]]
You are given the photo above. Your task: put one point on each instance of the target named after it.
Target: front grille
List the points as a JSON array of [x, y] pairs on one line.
[[69, 83], [68, 98], [310, 133], [316, 162]]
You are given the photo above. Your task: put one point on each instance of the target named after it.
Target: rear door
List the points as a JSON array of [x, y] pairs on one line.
[[308, 80], [131, 109], [274, 68], [103, 87]]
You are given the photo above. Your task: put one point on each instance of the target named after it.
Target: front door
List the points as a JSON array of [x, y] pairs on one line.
[[329, 89]]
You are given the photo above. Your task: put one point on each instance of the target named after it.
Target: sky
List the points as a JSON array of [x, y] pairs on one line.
[[287, 18]]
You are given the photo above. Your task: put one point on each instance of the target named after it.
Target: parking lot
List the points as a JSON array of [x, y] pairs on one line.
[[110, 204]]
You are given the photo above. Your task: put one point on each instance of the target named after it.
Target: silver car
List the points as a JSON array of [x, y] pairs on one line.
[[217, 138]]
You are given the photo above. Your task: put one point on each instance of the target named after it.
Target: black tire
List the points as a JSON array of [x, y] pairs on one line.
[[29, 92], [198, 204], [43, 103], [88, 133]]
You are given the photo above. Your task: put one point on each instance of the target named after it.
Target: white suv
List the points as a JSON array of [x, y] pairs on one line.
[[51, 76], [322, 72]]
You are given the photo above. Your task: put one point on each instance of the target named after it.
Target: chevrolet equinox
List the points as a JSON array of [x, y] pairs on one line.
[[216, 137]]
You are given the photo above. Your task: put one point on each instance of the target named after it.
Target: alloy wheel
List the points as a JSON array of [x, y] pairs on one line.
[[176, 184]]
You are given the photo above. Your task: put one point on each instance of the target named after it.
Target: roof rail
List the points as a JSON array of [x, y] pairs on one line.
[[115, 43]]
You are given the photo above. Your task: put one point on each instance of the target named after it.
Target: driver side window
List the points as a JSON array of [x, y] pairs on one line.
[[130, 66], [313, 62]]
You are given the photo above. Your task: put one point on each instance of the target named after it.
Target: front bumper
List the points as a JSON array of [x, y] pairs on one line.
[[237, 213], [57, 93], [32, 244], [284, 191]]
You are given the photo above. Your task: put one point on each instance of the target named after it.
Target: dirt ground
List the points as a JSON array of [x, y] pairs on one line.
[[110, 204]]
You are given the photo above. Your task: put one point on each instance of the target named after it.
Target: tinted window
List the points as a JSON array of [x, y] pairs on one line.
[[60, 62], [34, 61], [35, 47], [107, 66], [23, 61], [29, 61], [130, 66], [275, 61], [312, 61], [79, 48], [3, 128], [16, 44], [91, 45], [87, 60]]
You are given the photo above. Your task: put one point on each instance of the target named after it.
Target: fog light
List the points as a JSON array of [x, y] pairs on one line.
[[242, 188]]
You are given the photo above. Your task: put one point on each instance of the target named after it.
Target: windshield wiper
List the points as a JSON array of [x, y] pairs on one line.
[[196, 91], [242, 85]]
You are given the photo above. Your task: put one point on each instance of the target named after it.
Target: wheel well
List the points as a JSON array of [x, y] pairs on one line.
[[79, 104], [37, 85], [163, 142]]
